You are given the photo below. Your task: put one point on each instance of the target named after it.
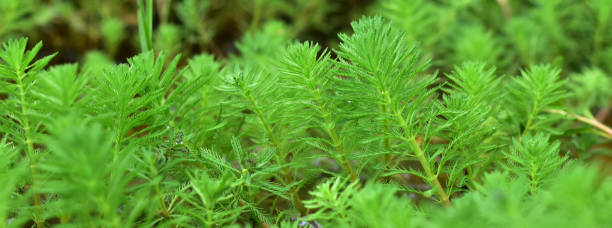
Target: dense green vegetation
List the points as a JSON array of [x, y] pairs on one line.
[[466, 113]]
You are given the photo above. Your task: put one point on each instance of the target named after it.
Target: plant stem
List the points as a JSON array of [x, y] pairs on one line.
[[117, 147], [160, 195], [534, 181], [145, 24], [259, 220], [30, 147], [340, 149], [385, 109], [420, 155], [534, 112], [387, 141], [279, 156], [432, 178], [607, 131], [331, 130], [264, 122], [209, 216]]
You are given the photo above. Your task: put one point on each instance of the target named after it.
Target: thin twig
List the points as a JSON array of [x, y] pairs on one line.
[[590, 121]]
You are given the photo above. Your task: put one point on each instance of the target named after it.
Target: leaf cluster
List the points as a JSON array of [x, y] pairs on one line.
[[292, 134]]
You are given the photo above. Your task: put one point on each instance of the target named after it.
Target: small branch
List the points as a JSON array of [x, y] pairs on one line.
[[417, 151], [590, 121], [279, 155], [431, 177], [331, 129], [30, 152]]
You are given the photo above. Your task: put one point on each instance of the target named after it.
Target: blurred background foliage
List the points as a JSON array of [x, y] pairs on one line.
[[192, 26], [509, 34]]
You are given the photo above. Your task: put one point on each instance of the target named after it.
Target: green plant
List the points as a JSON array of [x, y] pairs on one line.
[[291, 134]]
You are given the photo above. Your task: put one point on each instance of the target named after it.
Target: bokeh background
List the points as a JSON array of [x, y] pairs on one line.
[[75, 27]]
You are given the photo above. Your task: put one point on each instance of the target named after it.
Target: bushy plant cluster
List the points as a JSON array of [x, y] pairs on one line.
[[290, 134], [515, 35]]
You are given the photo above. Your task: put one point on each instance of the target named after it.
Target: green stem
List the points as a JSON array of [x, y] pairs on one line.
[[420, 155], [160, 195], [331, 131], [264, 122], [117, 147], [533, 176], [209, 216], [385, 109], [531, 117], [40, 222], [340, 149], [387, 141], [431, 177], [279, 155], [108, 213], [26, 121], [145, 24]]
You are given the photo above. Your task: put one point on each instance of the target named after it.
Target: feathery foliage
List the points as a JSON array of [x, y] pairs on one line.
[[293, 134]]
